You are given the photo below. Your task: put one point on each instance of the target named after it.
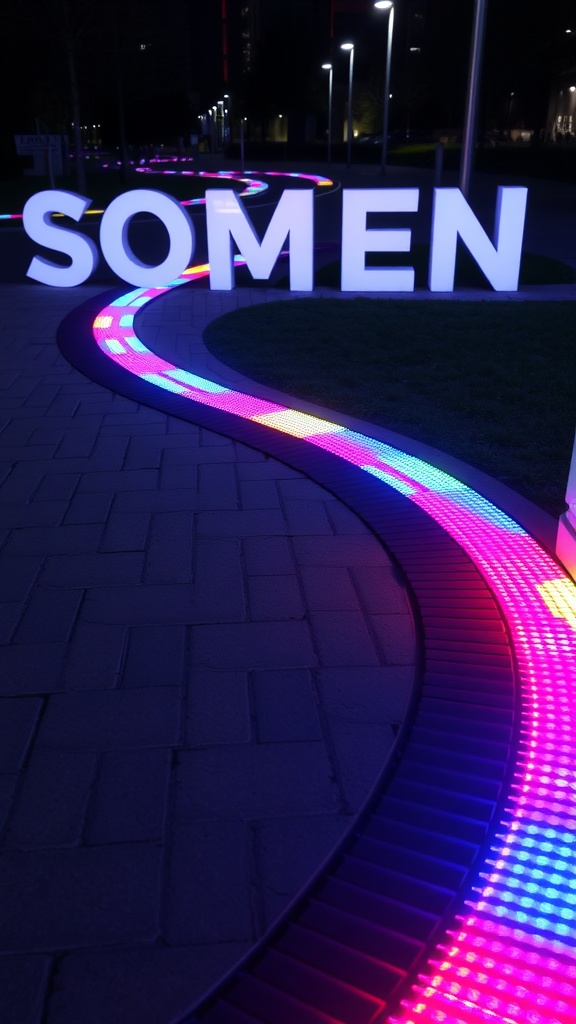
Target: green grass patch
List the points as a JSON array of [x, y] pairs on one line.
[[492, 383]]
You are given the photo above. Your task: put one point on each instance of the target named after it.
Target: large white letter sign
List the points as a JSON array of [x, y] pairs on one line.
[[116, 247], [451, 216], [226, 219], [38, 225], [357, 240]]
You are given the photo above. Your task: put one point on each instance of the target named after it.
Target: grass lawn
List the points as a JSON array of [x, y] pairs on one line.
[[492, 383]]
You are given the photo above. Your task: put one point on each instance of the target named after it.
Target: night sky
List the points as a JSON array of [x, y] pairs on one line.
[[161, 60]]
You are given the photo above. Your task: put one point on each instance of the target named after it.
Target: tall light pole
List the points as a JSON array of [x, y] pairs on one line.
[[330, 69], [474, 72], [350, 48], [386, 5]]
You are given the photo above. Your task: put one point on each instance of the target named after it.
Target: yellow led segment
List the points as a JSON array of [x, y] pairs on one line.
[[299, 424], [560, 598]]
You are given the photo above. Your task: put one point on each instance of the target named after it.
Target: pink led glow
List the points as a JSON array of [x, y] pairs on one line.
[[253, 184], [513, 958]]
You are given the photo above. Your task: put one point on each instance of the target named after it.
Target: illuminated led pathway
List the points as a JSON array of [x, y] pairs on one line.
[[509, 736]]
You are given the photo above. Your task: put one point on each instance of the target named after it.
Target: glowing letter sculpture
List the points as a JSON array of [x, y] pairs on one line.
[[357, 240], [116, 246], [226, 219], [452, 217], [38, 225]]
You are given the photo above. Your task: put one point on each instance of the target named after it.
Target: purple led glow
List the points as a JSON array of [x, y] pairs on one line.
[[513, 958], [253, 185]]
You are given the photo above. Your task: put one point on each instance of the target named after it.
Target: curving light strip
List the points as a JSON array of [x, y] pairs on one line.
[[513, 955], [253, 186]]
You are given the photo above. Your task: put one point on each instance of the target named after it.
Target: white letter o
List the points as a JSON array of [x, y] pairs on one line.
[[116, 247]]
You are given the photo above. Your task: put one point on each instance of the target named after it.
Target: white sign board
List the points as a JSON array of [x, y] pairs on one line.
[[28, 145]]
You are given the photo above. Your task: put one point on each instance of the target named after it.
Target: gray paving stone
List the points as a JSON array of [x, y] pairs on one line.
[[23, 986], [327, 588], [8, 785], [259, 494], [163, 500], [125, 531], [51, 804], [180, 453], [37, 513], [216, 594], [344, 521], [303, 489], [285, 707], [363, 549], [155, 656], [31, 668], [22, 482], [139, 415], [89, 508], [54, 899], [288, 852], [208, 439], [18, 722], [253, 645], [57, 486], [307, 517], [62, 405], [396, 637], [274, 598], [252, 523], [92, 570], [251, 781], [269, 469], [116, 480], [170, 547], [358, 775], [94, 657], [54, 540], [123, 430], [263, 554], [157, 604], [145, 452], [218, 709], [10, 615], [130, 800], [49, 616], [77, 443], [343, 638], [208, 891], [111, 719], [149, 985], [382, 590], [366, 694]]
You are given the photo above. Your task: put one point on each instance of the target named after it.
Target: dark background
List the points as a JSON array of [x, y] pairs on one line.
[[146, 71]]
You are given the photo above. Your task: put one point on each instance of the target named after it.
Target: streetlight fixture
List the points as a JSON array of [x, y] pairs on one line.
[[386, 5], [350, 48], [328, 67], [471, 118]]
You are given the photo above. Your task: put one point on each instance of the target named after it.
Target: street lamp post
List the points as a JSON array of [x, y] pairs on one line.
[[350, 48], [330, 69], [386, 5], [474, 72]]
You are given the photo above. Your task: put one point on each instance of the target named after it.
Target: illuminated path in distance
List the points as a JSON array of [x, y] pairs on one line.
[[512, 956]]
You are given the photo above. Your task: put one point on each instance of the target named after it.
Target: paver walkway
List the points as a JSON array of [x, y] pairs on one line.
[[204, 660]]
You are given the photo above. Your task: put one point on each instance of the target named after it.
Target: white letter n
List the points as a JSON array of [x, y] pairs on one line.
[[500, 262]]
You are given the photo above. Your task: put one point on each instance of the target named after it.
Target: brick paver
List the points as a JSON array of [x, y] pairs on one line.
[[204, 659]]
